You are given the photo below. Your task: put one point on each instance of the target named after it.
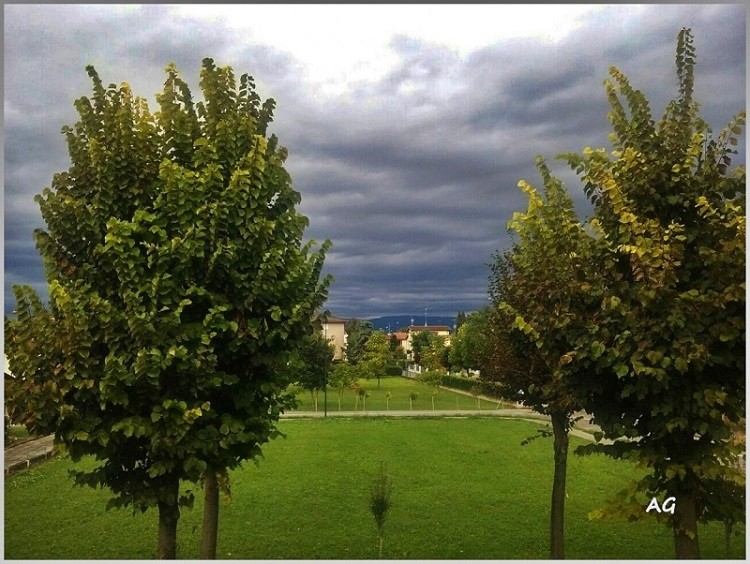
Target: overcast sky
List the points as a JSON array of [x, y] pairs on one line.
[[408, 127]]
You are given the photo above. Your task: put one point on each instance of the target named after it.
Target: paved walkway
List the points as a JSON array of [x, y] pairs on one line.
[[26, 454], [31, 452]]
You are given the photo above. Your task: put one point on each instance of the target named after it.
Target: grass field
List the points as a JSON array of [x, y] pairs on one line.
[[462, 489], [427, 397], [17, 434]]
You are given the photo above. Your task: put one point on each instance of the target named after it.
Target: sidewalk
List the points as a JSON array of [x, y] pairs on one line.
[[26, 454], [29, 453]]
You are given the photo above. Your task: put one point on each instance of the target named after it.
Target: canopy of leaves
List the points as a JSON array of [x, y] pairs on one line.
[[541, 294], [343, 375], [434, 356], [662, 360], [357, 334], [179, 282], [468, 345], [315, 356], [376, 355], [419, 340]]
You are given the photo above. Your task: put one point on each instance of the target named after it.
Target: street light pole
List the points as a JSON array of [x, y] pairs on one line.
[[325, 375], [325, 393]]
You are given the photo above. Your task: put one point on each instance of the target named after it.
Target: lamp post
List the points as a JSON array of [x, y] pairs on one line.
[[325, 373]]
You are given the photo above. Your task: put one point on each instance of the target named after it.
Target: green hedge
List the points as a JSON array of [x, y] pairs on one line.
[[460, 383], [393, 371]]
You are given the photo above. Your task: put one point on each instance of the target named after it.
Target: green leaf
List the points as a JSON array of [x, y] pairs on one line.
[[681, 364]]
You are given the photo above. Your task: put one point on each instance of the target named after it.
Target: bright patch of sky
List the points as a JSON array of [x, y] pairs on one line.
[[341, 45]]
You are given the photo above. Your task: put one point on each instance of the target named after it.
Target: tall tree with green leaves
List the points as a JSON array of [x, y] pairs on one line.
[[376, 355], [313, 365], [460, 319], [420, 340], [358, 332], [467, 346], [179, 283], [662, 363], [540, 294], [343, 375], [434, 355]]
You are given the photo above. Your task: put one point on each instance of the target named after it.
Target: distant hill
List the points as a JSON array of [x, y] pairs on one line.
[[394, 322]]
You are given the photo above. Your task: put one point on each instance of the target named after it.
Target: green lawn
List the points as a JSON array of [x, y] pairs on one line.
[[400, 389], [17, 434], [462, 489]]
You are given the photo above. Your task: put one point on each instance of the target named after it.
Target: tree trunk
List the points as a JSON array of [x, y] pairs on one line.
[[557, 512], [210, 516], [169, 514], [728, 539], [685, 526]]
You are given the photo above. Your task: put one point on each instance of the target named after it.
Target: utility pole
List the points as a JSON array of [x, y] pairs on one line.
[[325, 367]]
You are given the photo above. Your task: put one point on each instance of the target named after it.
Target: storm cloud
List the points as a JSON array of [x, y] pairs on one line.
[[413, 174]]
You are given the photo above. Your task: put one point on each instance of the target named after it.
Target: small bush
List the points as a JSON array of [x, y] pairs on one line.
[[394, 370], [431, 378]]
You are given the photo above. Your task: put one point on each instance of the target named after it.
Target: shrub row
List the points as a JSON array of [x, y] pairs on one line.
[[460, 383]]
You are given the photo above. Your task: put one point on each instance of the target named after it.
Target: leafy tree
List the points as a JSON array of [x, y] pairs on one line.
[[413, 396], [342, 377], [357, 334], [393, 344], [179, 283], [467, 347], [376, 355], [314, 357], [435, 353], [432, 379], [665, 353], [419, 342], [541, 294], [460, 319]]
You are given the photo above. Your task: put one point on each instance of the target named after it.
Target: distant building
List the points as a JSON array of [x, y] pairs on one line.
[[411, 330], [332, 329], [401, 338]]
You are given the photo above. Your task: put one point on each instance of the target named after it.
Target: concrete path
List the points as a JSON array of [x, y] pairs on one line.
[[26, 454], [31, 452]]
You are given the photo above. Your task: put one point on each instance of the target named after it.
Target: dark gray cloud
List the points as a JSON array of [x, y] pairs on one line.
[[412, 176]]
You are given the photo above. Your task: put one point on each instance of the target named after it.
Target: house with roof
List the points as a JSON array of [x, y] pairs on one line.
[[332, 329], [412, 330]]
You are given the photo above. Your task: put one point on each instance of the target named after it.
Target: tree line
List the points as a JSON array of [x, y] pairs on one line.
[[635, 315]]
